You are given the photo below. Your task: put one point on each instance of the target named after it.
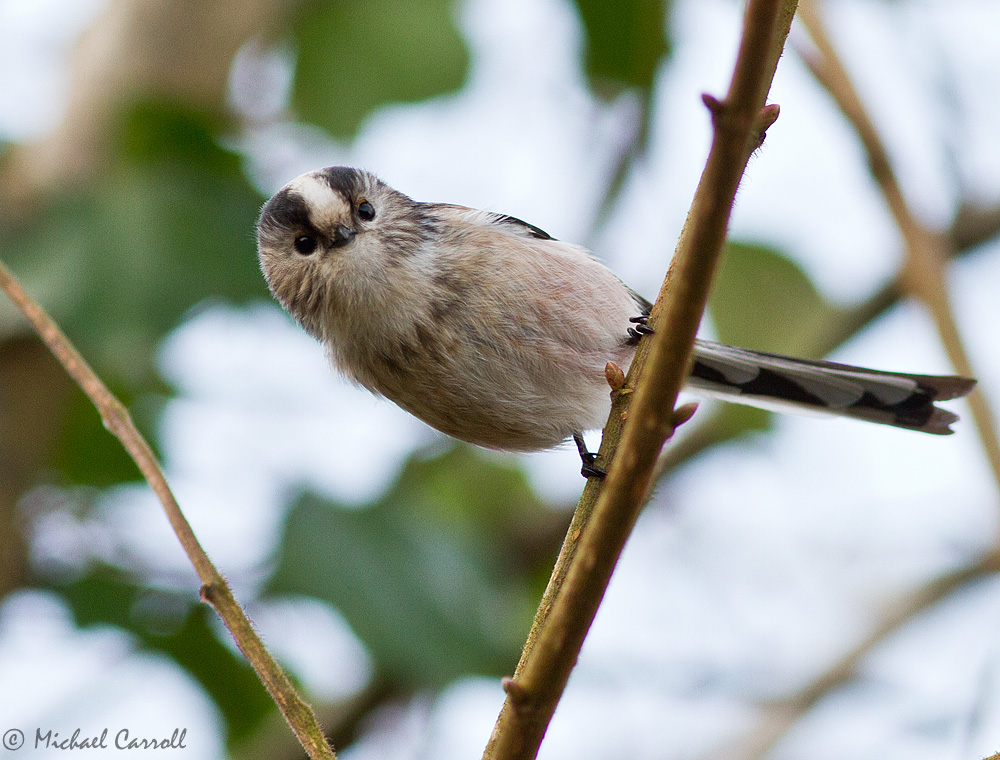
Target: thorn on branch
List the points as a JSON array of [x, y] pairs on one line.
[[517, 693], [615, 377], [683, 413], [765, 118], [714, 105], [207, 594]]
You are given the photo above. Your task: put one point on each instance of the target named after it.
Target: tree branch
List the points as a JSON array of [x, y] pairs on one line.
[[782, 715], [605, 515], [923, 276], [974, 225], [214, 589], [927, 251]]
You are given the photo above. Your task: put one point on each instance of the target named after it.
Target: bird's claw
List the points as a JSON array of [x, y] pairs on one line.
[[640, 329]]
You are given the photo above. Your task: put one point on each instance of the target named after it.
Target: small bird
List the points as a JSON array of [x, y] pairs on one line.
[[493, 332]]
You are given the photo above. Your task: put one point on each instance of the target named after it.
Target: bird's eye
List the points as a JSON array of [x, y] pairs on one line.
[[306, 244], [366, 211]]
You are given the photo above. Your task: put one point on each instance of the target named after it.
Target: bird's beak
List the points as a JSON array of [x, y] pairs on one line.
[[342, 236]]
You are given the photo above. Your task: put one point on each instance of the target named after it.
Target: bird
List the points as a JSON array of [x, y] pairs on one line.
[[495, 333]]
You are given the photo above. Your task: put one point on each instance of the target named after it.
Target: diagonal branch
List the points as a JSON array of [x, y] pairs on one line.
[[214, 589], [923, 276], [974, 225], [927, 251], [606, 514], [779, 717]]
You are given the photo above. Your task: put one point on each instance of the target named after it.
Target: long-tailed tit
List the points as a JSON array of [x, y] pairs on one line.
[[491, 331]]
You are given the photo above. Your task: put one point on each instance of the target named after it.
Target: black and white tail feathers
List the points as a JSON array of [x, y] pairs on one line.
[[780, 382]]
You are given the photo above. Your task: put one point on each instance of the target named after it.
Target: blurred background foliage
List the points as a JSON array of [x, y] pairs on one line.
[[121, 224], [383, 51], [156, 219]]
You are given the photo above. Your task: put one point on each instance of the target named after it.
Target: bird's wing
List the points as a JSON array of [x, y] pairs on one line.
[[479, 216]]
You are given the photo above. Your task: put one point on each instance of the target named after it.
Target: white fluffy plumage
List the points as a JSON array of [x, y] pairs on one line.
[[493, 332]]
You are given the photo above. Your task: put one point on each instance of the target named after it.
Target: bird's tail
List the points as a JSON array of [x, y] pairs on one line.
[[783, 383]]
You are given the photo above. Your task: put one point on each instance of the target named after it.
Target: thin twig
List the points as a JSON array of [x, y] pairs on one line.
[[214, 589], [927, 251], [923, 277], [974, 225], [781, 716], [599, 529]]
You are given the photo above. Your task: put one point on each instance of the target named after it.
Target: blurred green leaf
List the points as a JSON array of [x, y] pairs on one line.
[[86, 453], [419, 575], [168, 225], [763, 300], [625, 42], [733, 420], [355, 55], [180, 628]]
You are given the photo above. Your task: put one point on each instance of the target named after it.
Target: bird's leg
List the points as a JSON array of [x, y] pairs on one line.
[[589, 469]]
